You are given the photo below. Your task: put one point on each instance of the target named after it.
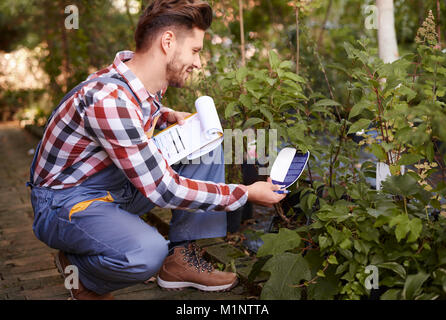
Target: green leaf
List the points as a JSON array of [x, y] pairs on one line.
[[286, 64], [337, 235], [413, 285], [274, 244], [229, 111], [357, 109], [294, 77], [359, 125], [286, 269], [246, 101], [346, 244], [378, 151], [407, 91], [342, 267], [271, 81], [401, 231], [255, 88], [395, 267], [408, 159], [320, 273], [391, 294], [404, 185], [324, 242], [326, 103], [274, 60], [332, 259], [361, 246], [415, 226], [251, 122], [324, 288], [430, 151], [370, 234], [268, 115], [307, 202], [241, 74]]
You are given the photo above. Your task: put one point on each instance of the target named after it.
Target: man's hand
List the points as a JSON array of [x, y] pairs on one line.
[[262, 193], [177, 116]]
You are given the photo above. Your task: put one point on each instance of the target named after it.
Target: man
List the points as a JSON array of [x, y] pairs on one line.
[[97, 169]]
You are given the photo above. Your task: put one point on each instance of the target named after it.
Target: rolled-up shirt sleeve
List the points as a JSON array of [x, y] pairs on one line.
[[116, 124]]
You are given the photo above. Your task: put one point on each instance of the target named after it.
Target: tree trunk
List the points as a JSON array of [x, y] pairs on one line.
[[388, 49], [388, 52], [65, 48]]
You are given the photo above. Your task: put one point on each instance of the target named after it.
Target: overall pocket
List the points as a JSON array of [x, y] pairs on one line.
[[73, 218]]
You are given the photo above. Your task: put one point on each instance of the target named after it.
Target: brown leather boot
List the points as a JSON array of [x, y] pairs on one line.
[[82, 293], [185, 267]]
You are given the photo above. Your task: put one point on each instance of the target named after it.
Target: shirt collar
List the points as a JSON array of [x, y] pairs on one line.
[[130, 77]]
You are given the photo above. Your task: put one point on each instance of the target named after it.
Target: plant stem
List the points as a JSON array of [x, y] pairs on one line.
[[326, 81], [321, 34], [438, 23], [242, 32], [279, 211], [297, 39], [309, 174], [314, 279], [333, 161]]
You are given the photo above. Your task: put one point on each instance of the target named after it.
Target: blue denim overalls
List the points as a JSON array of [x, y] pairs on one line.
[[97, 223]]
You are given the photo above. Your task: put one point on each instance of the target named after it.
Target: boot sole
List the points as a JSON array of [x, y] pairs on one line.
[[178, 286]]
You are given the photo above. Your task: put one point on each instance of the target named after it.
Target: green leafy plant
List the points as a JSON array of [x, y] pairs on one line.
[[399, 108]]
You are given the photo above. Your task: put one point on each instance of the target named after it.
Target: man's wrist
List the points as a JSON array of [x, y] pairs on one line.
[[245, 189]]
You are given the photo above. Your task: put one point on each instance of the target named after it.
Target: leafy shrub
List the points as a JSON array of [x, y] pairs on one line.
[[400, 109]]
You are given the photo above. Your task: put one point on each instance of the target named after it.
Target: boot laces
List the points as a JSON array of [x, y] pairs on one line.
[[193, 255]]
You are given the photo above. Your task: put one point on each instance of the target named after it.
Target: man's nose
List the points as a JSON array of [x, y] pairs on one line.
[[197, 62]]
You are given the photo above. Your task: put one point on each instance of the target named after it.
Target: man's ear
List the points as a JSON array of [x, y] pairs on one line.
[[168, 41]]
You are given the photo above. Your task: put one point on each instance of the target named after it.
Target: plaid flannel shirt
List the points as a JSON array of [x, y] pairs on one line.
[[103, 124]]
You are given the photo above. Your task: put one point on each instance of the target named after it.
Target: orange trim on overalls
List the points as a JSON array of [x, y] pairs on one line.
[[85, 204]]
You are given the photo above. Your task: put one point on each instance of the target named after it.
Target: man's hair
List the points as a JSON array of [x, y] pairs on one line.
[[180, 14]]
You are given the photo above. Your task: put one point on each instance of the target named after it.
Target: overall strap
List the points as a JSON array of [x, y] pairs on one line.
[[65, 98]]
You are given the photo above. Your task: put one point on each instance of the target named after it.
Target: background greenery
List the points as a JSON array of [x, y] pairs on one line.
[[334, 223]]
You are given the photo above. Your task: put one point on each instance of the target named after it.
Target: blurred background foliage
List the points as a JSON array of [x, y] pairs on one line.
[[66, 57]]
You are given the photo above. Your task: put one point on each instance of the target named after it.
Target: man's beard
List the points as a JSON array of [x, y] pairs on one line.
[[174, 74]]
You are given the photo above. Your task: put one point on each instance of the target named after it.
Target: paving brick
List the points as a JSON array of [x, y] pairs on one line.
[[16, 285], [55, 292], [25, 261], [16, 229], [225, 253], [43, 264], [38, 274], [37, 249]]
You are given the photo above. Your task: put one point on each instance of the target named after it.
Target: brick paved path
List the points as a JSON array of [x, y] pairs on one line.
[[27, 269]]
